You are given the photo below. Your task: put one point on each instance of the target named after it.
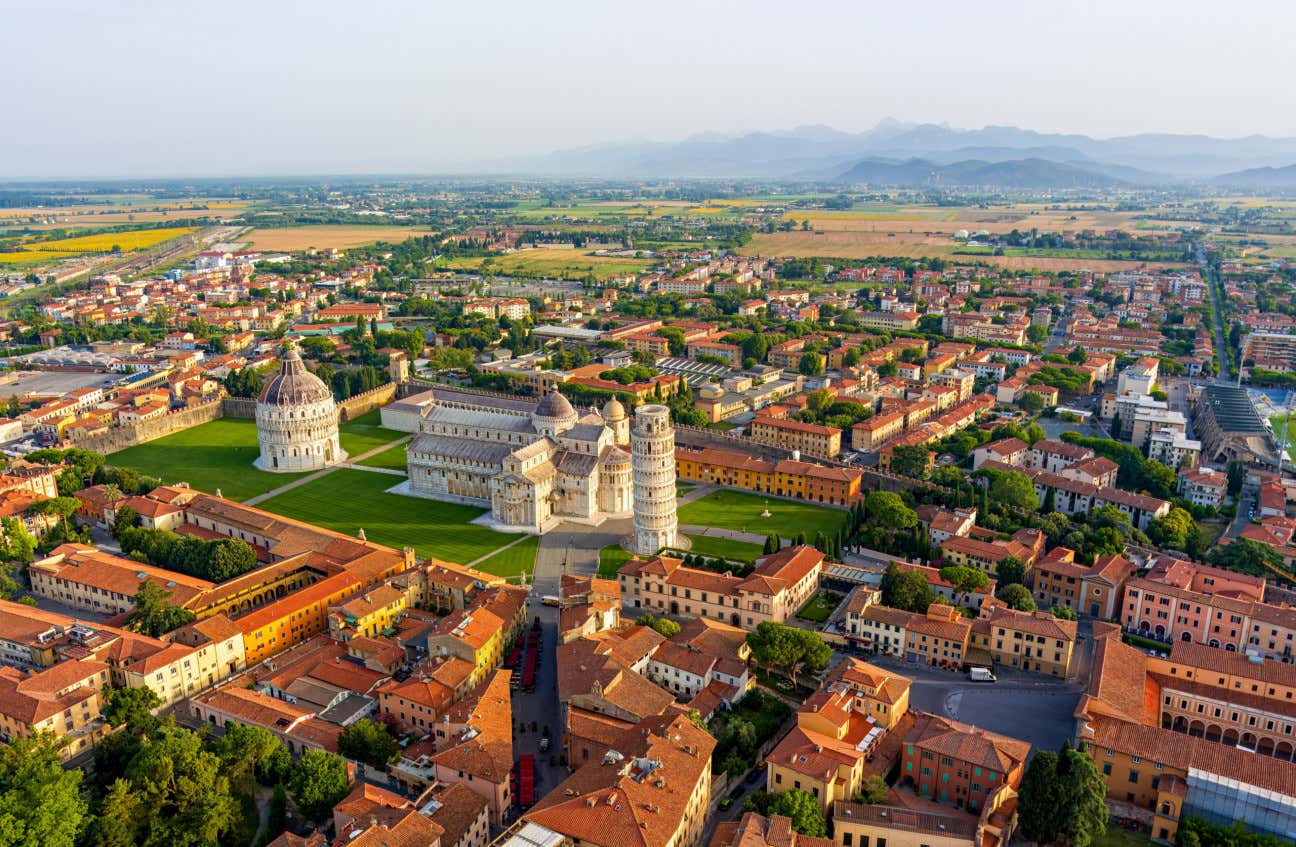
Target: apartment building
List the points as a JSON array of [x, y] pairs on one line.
[[958, 764], [938, 638], [1174, 449], [1026, 546], [1203, 486], [781, 584], [652, 787], [1096, 590], [474, 740], [1030, 641], [784, 478], [1184, 736], [84, 577], [838, 728], [64, 699], [873, 433], [811, 439]]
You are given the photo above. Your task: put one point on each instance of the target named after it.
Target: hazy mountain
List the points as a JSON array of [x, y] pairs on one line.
[[822, 152], [1259, 178], [1012, 174]]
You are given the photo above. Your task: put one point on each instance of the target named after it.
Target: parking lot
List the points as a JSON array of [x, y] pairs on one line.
[[1028, 706]]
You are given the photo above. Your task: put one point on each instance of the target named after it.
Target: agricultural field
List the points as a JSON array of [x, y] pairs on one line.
[[32, 257], [365, 433], [213, 455], [559, 262], [299, 238], [126, 209], [743, 511], [348, 501], [128, 242]]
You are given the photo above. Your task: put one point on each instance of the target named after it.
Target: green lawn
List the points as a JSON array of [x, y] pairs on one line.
[[1279, 424], [682, 488], [392, 457], [213, 455], [1117, 837], [820, 607], [513, 561], [611, 558], [725, 548], [365, 433], [742, 511], [348, 500]]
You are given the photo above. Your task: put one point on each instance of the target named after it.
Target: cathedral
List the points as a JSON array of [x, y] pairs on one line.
[[532, 464]]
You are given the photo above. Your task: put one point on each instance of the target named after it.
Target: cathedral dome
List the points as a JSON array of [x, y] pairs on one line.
[[553, 405], [294, 385], [613, 410]]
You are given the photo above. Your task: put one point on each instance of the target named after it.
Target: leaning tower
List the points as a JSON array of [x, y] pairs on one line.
[[652, 449]]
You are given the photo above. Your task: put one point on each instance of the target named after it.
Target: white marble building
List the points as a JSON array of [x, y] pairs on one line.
[[297, 421], [532, 466]]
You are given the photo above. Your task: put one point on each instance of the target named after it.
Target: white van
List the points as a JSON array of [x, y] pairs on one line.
[[980, 675]]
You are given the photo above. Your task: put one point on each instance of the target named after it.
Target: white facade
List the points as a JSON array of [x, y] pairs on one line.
[[652, 447], [297, 421]]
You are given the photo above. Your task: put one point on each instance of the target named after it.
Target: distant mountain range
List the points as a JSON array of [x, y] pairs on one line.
[[899, 154]]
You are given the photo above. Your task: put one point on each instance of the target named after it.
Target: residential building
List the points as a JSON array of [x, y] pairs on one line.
[[1204, 487], [811, 439], [962, 765]]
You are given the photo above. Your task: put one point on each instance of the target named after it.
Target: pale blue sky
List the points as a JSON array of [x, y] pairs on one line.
[[135, 88]]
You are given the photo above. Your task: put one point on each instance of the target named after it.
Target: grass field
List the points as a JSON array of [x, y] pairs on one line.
[[140, 239], [565, 263], [1117, 837], [819, 607], [513, 561], [349, 500], [611, 558], [726, 548], [209, 456], [293, 239], [366, 433], [1280, 424], [742, 511], [392, 458]]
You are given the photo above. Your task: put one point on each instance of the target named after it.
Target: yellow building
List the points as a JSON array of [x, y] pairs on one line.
[[276, 627], [474, 635], [1030, 641], [811, 439], [370, 614], [64, 699]]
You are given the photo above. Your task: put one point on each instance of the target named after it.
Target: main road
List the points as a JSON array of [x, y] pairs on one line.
[[1217, 311]]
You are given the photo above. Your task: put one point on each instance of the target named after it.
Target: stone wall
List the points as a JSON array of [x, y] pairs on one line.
[[354, 407], [238, 407], [119, 438]]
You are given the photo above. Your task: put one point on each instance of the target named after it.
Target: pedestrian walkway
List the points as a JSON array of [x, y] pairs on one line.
[[351, 464], [716, 532], [700, 490]]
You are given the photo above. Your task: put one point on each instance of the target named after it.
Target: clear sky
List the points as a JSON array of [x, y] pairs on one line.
[[134, 88]]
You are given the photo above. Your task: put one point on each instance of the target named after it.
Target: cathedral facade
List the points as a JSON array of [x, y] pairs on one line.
[[532, 464]]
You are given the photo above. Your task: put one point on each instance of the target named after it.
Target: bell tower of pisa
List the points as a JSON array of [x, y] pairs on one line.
[[652, 448]]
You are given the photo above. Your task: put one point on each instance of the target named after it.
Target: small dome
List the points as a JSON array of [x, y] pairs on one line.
[[554, 405], [294, 385], [613, 410], [711, 391]]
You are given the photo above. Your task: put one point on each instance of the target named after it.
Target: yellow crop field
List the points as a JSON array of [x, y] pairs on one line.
[[29, 256], [103, 243]]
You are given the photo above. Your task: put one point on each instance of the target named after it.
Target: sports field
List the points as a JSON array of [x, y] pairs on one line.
[[207, 457], [365, 433], [349, 500], [742, 511], [1280, 424], [292, 239]]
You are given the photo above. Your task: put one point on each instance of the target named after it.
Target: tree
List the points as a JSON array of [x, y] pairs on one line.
[[964, 579], [246, 750], [318, 782], [1246, 556], [1018, 597], [131, 707], [370, 742], [121, 815], [884, 508], [153, 615], [228, 558], [1064, 612], [1011, 571], [40, 801], [186, 798], [1077, 356], [1173, 530], [873, 791], [1031, 401], [1013, 488], [812, 652], [1236, 476], [61, 508], [804, 811], [124, 518], [1062, 799], [810, 364], [907, 590], [772, 544], [665, 626], [910, 460]]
